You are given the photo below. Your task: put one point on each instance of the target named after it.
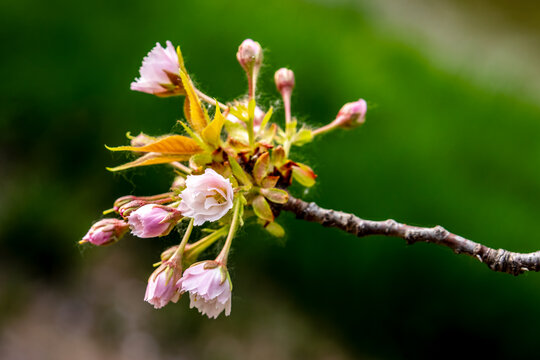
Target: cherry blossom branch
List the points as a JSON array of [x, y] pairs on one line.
[[496, 259]]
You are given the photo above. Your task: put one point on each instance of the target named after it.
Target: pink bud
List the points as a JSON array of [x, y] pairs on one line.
[[250, 55], [284, 79], [209, 286], [160, 71], [352, 114], [153, 220], [162, 285], [207, 197], [105, 232]]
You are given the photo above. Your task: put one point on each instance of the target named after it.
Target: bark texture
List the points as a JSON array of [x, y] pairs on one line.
[[496, 259]]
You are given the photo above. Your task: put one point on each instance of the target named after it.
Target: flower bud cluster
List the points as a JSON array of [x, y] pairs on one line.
[[227, 170]]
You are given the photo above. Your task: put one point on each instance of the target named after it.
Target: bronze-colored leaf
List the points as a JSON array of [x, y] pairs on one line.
[[174, 144], [151, 159]]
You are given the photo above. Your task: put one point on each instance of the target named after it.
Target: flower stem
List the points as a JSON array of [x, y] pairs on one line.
[[210, 100], [223, 255], [323, 129], [181, 167], [177, 256], [193, 251]]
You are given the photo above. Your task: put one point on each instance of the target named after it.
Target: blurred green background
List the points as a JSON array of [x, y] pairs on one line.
[[452, 138]]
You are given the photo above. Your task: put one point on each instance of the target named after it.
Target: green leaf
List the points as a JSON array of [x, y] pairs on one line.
[[238, 172], [275, 229], [302, 137], [261, 168], [262, 208], [267, 117], [277, 196]]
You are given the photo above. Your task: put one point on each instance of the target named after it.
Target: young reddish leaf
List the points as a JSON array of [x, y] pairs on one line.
[[262, 167], [151, 159], [212, 133], [197, 117], [269, 181], [304, 175], [279, 156], [277, 196], [174, 144], [262, 208]]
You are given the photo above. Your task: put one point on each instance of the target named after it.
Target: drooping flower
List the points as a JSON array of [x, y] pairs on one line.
[[162, 285], [153, 220], [207, 197], [159, 72], [209, 286], [105, 232]]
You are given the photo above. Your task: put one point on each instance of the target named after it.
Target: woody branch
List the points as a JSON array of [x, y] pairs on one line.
[[500, 260]]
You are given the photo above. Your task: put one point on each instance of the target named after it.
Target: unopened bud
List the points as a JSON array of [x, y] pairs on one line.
[[352, 114], [105, 232], [284, 79], [153, 220], [250, 55]]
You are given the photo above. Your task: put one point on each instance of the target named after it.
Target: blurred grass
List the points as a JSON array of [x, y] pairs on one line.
[[436, 149]]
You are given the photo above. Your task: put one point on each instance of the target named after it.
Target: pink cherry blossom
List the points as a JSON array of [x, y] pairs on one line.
[[162, 286], [153, 220], [207, 197], [209, 287], [106, 231], [155, 69]]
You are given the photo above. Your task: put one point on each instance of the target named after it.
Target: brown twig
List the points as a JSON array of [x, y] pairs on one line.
[[496, 259]]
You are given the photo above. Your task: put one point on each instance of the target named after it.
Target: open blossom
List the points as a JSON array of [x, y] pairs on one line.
[[106, 231], [159, 71], [207, 197], [162, 286], [352, 114], [153, 220], [209, 287]]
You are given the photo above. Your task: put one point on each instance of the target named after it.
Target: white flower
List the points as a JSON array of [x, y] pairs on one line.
[[207, 197]]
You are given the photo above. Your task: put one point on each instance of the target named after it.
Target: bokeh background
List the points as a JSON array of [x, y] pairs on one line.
[[452, 138]]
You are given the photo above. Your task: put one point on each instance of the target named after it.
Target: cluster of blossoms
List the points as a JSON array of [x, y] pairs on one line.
[[221, 179]]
